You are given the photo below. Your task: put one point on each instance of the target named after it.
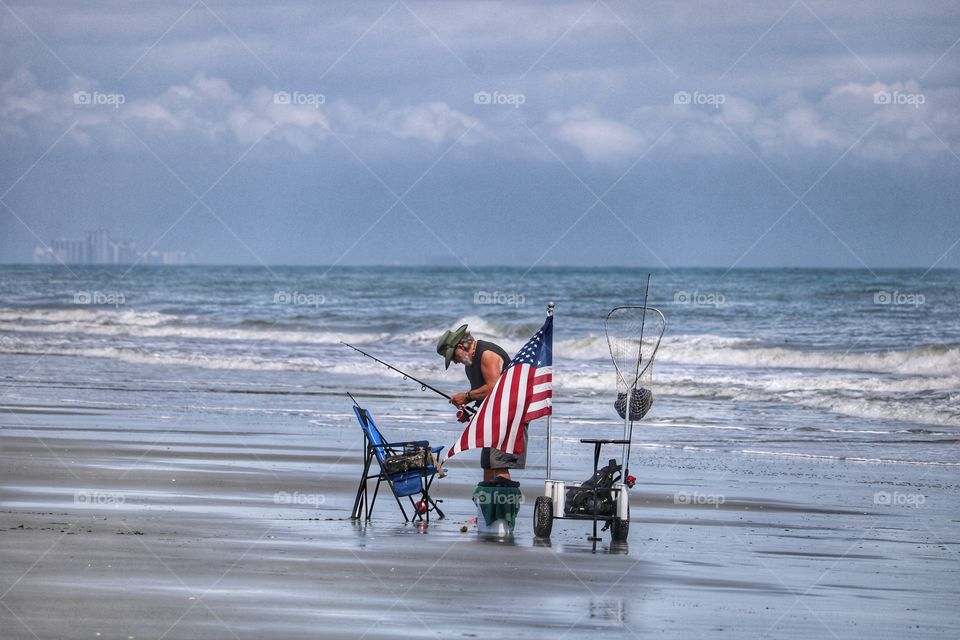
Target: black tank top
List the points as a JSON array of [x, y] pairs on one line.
[[474, 372]]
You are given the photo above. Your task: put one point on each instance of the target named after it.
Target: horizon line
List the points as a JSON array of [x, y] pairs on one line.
[[471, 266]]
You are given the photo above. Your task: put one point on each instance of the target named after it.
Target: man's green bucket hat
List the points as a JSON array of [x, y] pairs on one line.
[[448, 344]]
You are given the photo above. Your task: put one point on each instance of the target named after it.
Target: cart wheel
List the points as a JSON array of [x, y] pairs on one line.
[[620, 528], [543, 517]]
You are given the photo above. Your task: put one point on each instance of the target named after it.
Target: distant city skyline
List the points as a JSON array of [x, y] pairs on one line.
[[99, 248]]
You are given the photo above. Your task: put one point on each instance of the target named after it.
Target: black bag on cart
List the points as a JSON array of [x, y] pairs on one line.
[[594, 493]]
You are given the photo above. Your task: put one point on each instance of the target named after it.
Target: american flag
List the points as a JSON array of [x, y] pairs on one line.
[[524, 392]]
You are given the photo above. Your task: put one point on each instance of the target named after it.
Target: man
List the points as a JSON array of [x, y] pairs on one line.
[[483, 363]]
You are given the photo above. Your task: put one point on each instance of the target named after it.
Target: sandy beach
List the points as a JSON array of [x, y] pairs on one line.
[[117, 524]]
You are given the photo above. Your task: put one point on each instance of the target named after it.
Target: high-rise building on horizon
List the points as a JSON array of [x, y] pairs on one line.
[[99, 248], [69, 250], [124, 252]]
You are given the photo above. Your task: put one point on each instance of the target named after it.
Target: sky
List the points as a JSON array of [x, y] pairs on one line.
[[726, 134]]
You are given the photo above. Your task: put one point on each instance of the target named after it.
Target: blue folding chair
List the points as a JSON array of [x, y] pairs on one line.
[[413, 484]]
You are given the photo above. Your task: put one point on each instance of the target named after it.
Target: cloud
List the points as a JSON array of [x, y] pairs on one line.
[[22, 102], [907, 120], [432, 122], [210, 108], [890, 121], [599, 139], [899, 119]]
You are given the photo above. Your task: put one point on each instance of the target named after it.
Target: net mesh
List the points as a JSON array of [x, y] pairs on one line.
[[633, 335]]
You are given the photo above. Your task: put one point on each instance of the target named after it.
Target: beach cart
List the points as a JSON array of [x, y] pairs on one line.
[[633, 336]]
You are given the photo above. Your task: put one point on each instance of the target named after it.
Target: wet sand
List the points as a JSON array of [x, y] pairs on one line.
[[125, 525]]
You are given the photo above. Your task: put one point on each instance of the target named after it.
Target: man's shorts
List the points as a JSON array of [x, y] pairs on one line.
[[491, 458]]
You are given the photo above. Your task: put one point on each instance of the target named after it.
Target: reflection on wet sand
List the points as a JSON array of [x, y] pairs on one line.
[[157, 529]]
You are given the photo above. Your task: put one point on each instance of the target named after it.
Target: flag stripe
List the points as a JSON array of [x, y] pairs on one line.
[[491, 418], [515, 422], [523, 392], [504, 407]]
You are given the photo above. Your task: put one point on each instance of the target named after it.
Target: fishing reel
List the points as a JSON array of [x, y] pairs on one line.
[[465, 413]]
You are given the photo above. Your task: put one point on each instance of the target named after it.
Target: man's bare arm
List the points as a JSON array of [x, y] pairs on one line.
[[491, 365]]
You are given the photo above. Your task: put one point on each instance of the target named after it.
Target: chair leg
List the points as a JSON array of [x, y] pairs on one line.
[[376, 491], [417, 515], [368, 500], [362, 490], [431, 501], [402, 510], [427, 483]]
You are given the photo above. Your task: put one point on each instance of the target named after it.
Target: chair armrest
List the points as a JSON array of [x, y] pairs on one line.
[[401, 445], [385, 446]]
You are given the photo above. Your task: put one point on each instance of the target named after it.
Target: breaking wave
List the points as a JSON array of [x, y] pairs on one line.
[[919, 385]]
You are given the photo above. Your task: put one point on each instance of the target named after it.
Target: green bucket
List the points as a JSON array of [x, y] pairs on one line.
[[497, 508]]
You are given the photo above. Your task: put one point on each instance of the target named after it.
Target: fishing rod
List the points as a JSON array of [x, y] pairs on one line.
[[643, 321], [466, 411], [636, 378]]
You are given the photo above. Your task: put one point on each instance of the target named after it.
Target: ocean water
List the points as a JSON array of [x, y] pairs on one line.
[[816, 363]]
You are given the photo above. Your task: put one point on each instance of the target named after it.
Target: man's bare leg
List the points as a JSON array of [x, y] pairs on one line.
[[492, 474]]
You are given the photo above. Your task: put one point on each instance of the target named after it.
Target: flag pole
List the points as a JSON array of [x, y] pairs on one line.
[[550, 306]]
